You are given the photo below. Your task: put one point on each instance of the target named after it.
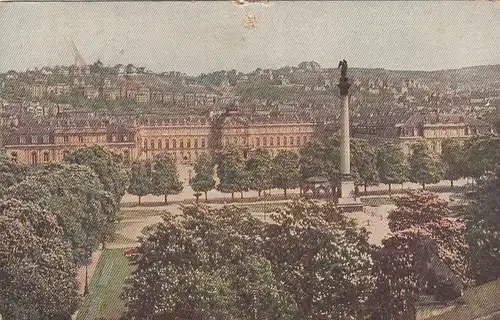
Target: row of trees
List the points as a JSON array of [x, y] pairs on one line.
[[53, 218]]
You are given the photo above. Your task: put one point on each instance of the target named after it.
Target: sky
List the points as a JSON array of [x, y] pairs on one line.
[[196, 37]]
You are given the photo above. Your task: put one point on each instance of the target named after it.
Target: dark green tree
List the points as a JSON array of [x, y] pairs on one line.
[[112, 176], [392, 166], [482, 155], [454, 160], [231, 171], [165, 176], [37, 275], [203, 181], [364, 163], [140, 179], [425, 166], [286, 173], [260, 170], [11, 172]]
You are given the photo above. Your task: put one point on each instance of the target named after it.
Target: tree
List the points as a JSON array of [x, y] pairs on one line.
[[453, 159], [140, 179], [483, 156], [391, 165], [424, 164], [37, 275], [484, 229], [111, 175], [86, 213], [203, 181], [11, 172], [364, 164], [321, 159], [286, 172], [313, 249], [213, 270], [165, 176], [260, 170], [231, 172]]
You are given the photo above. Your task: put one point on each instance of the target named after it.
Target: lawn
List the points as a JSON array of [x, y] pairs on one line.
[[138, 214], [106, 286]]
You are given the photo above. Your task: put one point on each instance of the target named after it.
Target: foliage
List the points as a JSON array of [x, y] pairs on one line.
[[86, 213], [453, 159], [165, 176], [11, 172], [111, 175], [37, 277], [231, 171], [484, 230], [140, 179], [483, 155], [260, 170], [425, 166], [203, 181], [211, 270], [364, 163], [323, 259], [321, 159], [285, 167], [225, 264], [391, 165]]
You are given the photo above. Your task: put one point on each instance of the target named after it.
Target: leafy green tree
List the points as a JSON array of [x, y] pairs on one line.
[[37, 275], [286, 173], [321, 159], [260, 169], [453, 159], [323, 259], [484, 229], [231, 171], [391, 165], [87, 214], [203, 181], [483, 156], [364, 166], [425, 166], [165, 176], [140, 179], [212, 270], [11, 172], [112, 176]]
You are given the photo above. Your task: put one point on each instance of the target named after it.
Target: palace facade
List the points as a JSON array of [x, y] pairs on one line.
[[186, 138]]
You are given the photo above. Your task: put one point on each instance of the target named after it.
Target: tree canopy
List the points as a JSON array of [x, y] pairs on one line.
[[165, 176], [425, 166]]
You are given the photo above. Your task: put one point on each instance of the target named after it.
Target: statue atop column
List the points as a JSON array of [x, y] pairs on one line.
[[343, 81]]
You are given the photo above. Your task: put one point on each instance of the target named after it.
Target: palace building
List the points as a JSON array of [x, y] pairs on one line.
[[184, 137]]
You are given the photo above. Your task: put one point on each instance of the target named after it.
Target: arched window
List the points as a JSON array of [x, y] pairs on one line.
[[195, 142], [264, 141], [46, 156], [188, 143], [181, 143], [203, 143], [297, 140], [174, 143], [145, 146], [291, 141], [278, 141], [160, 146], [284, 141], [167, 144], [152, 144], [126, 156], [271, 141]]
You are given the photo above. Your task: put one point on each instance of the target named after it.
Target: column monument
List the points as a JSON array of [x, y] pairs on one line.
[[347, 199]]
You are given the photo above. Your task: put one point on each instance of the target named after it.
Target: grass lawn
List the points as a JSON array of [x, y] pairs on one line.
[[263, 207], [106, 286]]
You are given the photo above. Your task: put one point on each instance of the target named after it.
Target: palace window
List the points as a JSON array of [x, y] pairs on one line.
[[46, 157], [34, 139], [145, 146], [14, 155], [34, 158], [174, 143], [257, 142], [188, 143], [291, 141], [160, 146], [264, 141], [152, 144], [125, 138], [22, 140], [278, 141], [271, 141], [181, 143], [45, 139], [304, 140], [167, 144], [65, 139], [80, 139], [284, 141], [195, 143], [203, 143], [65, 154], [297, 140]]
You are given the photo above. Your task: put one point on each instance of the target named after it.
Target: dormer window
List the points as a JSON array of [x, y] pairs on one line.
[[34, 139], [22, 140], [45, 139]]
